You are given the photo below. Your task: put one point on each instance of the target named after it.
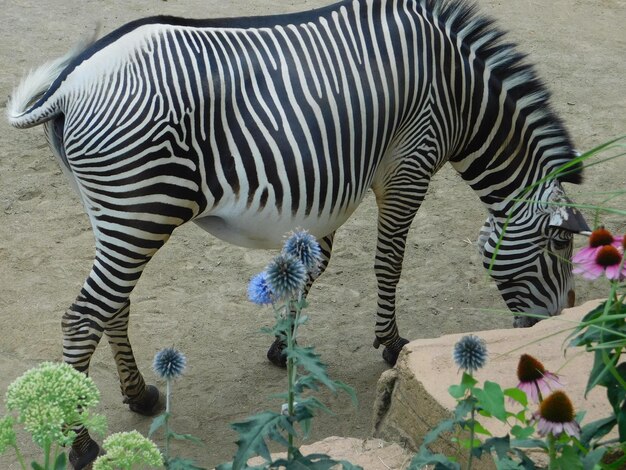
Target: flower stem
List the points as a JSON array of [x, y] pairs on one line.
[[291, 369], [552, 452], [168, 391], [472, 433], [20, 457]]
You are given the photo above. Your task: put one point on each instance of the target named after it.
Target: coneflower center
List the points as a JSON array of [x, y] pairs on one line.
[[557, 408], [529, 369], [600, 237], [608, 256]]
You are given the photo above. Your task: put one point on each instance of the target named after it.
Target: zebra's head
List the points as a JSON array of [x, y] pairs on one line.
[[528, 252]]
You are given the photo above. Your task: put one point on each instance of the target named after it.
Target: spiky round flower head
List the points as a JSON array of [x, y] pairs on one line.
[[259, 291], [534, 379], [303, 246], [470, 353], [286, 276], [7, 434], [49, 399], [556, 416], [169, 363], [126, 450]]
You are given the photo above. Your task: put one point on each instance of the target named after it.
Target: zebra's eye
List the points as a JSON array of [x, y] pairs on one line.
[[560, 241]]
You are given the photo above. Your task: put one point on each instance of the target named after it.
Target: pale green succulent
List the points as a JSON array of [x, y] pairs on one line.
[[51, 398], [125, 449], [7, 434]]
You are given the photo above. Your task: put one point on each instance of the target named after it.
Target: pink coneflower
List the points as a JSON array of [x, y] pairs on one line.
[[556, 416], [603, 256], [534, 379]]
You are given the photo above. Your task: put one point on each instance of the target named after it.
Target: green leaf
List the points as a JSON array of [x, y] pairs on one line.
[[522, 433], [36, 466], [310, 360], [467, 383], [491, 399], [432, 435], [501, 446], [425, 457], [312, 462], [184, 437], [529, 443], [508, 464], [596, 430], [569, 459], [252, 434], [61, 462], [158, 423], [479, 429], [517, 395], [593, 458]]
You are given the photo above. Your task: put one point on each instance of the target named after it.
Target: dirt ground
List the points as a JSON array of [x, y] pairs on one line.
[[192, 295]]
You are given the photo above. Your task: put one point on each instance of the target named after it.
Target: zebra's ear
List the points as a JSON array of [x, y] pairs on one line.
[[566, 217]]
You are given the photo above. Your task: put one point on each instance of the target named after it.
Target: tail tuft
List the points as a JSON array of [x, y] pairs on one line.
[[36, 83]]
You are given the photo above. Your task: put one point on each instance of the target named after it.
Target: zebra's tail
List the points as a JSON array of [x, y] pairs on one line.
[[23, 108]]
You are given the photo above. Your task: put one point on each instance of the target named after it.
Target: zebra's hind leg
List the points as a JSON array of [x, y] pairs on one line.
[[140, 398], [398, 201], [103, 307], [275, 353]]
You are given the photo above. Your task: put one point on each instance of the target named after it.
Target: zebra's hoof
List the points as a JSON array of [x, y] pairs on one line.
[[276, 354], [83, 458], [392, 351], [148, 403]]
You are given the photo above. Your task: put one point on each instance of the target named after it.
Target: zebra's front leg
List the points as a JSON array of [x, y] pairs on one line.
[[141, 398], [275, 353]]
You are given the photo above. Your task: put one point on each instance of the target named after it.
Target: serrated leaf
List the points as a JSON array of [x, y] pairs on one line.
[[157, 423], [491, 399], [252, 434], [310, 361]]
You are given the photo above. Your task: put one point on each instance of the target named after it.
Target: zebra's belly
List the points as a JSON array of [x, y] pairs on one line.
[[265, 231]]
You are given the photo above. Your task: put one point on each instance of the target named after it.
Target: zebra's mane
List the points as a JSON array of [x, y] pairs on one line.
[[509, 66]]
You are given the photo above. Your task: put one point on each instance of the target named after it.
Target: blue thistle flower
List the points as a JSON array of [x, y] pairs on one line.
[[169, 363], [286, 276], [470, 353], [259, 291], [303, 246]]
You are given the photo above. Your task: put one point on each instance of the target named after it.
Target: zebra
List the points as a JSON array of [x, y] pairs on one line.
[[252, 127]]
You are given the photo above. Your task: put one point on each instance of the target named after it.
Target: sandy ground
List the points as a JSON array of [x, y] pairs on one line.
[[192, 295]]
